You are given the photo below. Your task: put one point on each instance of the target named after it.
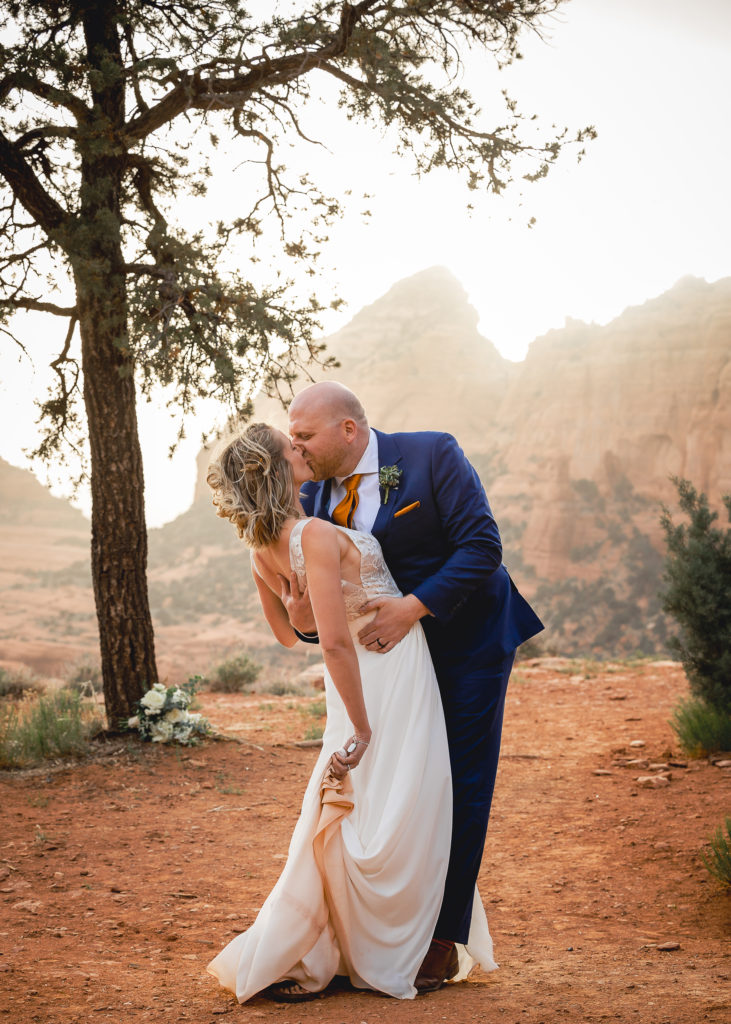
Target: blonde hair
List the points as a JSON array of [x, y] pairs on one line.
[[252, 485]]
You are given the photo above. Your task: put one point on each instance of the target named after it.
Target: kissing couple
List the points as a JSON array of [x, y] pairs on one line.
[[383, 549]]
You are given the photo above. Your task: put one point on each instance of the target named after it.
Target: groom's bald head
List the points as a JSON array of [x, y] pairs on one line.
[[331, 398], [328, 424]]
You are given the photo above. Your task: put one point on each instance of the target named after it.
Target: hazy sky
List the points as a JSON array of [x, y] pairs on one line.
[[648, 205]]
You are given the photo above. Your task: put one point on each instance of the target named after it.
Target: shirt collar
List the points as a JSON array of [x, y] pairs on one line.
[[368, 460]]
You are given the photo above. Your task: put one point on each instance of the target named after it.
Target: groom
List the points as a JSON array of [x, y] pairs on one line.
[[421, 498]]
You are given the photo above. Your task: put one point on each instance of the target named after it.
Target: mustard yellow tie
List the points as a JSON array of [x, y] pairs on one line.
[[345, 510]]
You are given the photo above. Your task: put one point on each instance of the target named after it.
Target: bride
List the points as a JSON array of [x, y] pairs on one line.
[[362, 887]]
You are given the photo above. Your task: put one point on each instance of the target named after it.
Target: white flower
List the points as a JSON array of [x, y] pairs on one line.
[[133, 722], [159, 686], [162, 732], [175, 715], [153, 700]]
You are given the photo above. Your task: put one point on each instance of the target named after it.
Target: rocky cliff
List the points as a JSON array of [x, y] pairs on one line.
[[576, 446], [418, 362], [46, 616]]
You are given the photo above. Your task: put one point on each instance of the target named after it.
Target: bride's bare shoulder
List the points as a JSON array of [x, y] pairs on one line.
[[319, 528], [319, 534]]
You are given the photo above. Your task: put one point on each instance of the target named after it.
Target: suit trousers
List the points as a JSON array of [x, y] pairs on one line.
[[473, 702]]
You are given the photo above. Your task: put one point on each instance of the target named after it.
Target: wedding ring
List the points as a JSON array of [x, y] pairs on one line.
[[379, 643]]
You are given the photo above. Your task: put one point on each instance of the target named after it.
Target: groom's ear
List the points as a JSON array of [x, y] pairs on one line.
[[350, 430]]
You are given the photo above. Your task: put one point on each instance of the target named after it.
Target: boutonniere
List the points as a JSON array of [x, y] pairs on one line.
[[388, 477]]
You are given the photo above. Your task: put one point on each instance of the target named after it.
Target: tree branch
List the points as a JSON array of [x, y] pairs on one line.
[[459, 129], [38, 306], [57, 366], [50, 131], [25, 82], [18, 257], [151, 269], [216, 93], [28, 190]]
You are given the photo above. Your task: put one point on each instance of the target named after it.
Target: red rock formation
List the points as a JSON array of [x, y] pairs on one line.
[[575, 445]]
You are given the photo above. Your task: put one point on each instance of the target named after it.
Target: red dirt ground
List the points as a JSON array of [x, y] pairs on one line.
[[122, 875]]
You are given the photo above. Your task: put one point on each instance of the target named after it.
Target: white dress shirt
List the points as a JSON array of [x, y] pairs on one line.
[[369, 494]]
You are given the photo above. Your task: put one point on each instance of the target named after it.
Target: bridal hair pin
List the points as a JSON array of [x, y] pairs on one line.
[[258, 466]]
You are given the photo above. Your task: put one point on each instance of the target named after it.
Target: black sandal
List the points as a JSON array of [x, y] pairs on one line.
[[282, 992]]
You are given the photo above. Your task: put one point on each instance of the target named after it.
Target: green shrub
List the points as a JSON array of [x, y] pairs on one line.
[[698, 594], [237, 675], [718, 861], [317, 708], [18, 682], [57, 725], [700, 727], [280, 689], [314, 732]]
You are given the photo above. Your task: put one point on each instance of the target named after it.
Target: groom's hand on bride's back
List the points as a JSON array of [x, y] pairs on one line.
[[297, 604]]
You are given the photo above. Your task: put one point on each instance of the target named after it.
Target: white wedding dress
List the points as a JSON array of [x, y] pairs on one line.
[[362, 887]]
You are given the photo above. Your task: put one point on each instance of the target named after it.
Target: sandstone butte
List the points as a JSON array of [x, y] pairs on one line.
[[575, 445]]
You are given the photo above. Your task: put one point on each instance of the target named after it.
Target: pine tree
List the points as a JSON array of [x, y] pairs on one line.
[[698, 594], [107, 109]]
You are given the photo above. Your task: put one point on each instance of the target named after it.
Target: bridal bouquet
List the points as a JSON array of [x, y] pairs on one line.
[[162, 715]]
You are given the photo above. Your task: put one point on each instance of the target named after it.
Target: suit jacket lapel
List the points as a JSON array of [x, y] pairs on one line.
[[323, 500], [388, 455]]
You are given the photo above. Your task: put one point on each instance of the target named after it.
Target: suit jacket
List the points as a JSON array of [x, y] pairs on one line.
[[446, 550]]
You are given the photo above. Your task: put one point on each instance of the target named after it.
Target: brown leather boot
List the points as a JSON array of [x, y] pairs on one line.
[[440, 964]]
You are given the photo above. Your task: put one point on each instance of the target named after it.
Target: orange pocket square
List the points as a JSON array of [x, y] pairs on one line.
[[408, 508]]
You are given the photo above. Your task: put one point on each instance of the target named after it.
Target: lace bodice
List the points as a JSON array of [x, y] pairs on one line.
[[375, 579]]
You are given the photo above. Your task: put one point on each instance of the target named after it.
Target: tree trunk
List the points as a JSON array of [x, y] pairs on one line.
[[118, 531]]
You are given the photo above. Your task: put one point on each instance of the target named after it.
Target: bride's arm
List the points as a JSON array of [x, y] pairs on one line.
[[274, 611], [321, 549]]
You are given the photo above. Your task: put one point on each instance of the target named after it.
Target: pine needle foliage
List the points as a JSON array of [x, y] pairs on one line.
[[697, 594]]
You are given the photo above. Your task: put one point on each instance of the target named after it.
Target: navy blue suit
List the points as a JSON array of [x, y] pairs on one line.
[[447, 552]]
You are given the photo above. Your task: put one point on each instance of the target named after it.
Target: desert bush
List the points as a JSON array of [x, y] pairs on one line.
[[18, 682], [700, 727], [280, 689], [237, 675], [57, 725], [84, 676], [317, 708], [530, 649], [718, 861], [698, 594], [314, 732]]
